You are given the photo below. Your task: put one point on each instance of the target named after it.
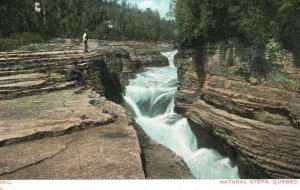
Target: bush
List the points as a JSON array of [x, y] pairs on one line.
[[274, 53], [18, 40], [241, 68], [8, 44]]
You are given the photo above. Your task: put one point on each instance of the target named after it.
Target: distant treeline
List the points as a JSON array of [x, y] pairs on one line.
[[254, 22], [105, 19]]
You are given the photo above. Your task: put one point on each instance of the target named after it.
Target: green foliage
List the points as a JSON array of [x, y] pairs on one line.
[[20, 40], [105, 19], [288, 19], [274, 53], [254, 22], [241, 68], [202, 21], [254, 81], [8, 45]]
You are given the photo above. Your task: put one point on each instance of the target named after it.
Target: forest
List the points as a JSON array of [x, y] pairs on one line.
[[253, 22], [192, 23], [105, 19]]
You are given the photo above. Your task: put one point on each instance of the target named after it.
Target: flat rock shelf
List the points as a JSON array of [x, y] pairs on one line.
[[85, 154]]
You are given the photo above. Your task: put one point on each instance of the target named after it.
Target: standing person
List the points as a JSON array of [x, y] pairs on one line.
[[85, 41]]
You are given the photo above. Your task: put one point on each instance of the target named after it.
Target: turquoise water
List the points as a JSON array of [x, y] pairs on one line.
[[151, 96]]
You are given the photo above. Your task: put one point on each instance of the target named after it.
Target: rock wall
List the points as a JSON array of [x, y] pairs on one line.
[[244, 106]]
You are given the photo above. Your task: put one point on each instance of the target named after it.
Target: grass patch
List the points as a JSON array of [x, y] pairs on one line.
[[17, 40]]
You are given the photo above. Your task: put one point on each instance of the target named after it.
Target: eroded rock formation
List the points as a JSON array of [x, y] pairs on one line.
[[250, 114], [54, 129]]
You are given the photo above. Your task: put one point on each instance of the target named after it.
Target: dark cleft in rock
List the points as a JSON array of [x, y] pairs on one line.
[[158, 161]]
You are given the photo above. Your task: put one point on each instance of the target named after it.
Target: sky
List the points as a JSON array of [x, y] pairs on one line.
[[161, 5]]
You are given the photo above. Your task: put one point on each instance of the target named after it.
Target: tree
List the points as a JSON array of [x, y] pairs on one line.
[[254, 22], [68, 19]]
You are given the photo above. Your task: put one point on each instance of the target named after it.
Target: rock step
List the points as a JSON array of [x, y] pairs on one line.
[[33, 69], [27, 73], [38, 67], [14, 72], [13, 79], [23, 76], [44, 54], [47, 56], [60, 59], [15, 93], [47, 64], [30, 54], [24, 84]]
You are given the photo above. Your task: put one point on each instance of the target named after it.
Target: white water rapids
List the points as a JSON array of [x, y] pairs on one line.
[[151, 96]]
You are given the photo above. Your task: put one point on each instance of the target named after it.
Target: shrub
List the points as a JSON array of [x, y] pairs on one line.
[[274, 53]]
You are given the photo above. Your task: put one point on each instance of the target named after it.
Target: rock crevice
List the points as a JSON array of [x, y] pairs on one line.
[[39, 161]]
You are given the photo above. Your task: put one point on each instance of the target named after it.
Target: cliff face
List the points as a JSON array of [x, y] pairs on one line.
[[249, 112], [110, 73]]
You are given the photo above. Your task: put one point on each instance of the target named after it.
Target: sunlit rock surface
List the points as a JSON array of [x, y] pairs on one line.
[[61, 135], [54, 129]]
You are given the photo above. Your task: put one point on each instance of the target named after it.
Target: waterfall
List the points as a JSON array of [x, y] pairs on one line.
[[151, 96]]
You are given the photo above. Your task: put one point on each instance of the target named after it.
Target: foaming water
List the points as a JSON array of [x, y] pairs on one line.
[[151, 96]]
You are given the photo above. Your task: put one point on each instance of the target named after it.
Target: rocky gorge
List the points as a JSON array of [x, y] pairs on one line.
[[243, 106], [54, 129]]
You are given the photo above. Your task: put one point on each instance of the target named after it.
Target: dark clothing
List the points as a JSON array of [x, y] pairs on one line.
[[85, 46], [73, 74]]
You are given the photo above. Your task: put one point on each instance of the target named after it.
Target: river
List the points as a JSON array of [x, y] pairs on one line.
[[151, 96]]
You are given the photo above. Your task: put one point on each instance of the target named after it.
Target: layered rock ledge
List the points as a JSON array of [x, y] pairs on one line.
[[54, 129], [254, 121]]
